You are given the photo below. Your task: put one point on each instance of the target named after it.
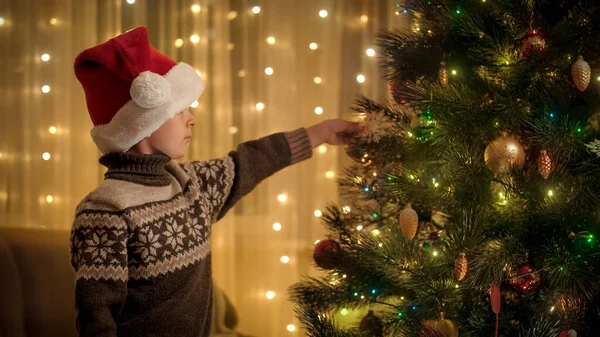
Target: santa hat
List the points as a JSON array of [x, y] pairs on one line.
[[131, 89]]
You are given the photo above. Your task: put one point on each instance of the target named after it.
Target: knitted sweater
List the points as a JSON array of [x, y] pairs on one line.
[[140, 242]]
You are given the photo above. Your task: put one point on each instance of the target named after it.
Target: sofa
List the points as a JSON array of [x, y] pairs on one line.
[[37, 286]]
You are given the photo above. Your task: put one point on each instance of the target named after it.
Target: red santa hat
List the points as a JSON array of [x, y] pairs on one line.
[[131, 89]]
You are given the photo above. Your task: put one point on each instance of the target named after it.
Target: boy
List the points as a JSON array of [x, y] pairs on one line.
[[140, 242]]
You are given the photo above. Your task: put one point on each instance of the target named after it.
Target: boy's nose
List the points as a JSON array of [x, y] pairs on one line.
[[189, 118]]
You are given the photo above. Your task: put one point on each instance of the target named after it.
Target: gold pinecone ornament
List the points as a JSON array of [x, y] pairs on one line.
[[544, 164], [409, 221], [582, 73], [443, 74], [461, 266]]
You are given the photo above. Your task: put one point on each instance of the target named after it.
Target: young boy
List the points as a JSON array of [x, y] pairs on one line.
[[140, 242]]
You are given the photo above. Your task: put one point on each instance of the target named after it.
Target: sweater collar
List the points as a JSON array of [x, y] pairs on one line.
[[145, 169]]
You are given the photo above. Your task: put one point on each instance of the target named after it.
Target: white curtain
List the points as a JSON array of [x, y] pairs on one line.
[[48, 162]]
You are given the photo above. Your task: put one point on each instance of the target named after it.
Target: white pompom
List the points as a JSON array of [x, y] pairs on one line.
[[572, 333], [150, 90]]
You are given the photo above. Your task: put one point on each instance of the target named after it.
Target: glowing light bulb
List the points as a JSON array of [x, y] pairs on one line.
[[329, 174], [277, 226], [49, 199], [318, 213], [195, 38], [375, 232], [282, 197], [284, 259], [231, 15], [323, 13], [53, 21], [370, 52], [45, 57], [322, 149], [46, 156], [317, 241], [269, 71], [195, 104], [196, 8], [270, 294], [291, 328], [318, 110], [364, 18], [271, 40], [550, 193], [313, 46], [454, 72], [46, 89], [317, 80], [179, 43], [360, 78], [131, 2], [260, 106], [233, 130], [359, 228], [346, 209], [52, 130], [344, 312], [256, 9]]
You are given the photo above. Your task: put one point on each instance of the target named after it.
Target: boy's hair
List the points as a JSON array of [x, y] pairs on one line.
[[131, 89]]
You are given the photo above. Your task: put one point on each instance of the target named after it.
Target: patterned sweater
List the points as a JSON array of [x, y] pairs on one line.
[[140, 242]]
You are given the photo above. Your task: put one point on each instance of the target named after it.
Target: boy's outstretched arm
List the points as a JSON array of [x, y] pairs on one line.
[[225, 181]]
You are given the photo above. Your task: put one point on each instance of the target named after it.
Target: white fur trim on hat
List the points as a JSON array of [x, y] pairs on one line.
[[132, 123]]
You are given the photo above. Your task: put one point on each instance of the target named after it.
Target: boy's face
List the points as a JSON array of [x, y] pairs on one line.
[[173, 136]]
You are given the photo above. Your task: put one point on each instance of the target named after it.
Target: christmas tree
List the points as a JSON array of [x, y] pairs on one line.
[[473, 203]]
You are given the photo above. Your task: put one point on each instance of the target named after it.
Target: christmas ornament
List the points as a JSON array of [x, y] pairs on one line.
[[568, 333], [582, 73], [443, 327], [358, 155], [594, 146], [327, 253], [395, 85], [376, 126], [532, 42], [524, 279], [496, 302], [372, 325], [544, 164], [504, 153], [443, 74], [571, 306], [584, 243], [399, 168], [461, 266], [409, 221]]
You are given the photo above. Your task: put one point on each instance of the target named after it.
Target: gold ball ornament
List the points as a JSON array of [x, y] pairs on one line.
[[409, 221], [504, 153], [461, 265], [443, 327], [443, 74], [582, 73], [544, 164]]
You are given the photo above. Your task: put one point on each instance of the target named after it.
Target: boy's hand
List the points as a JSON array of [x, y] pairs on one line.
[[333, 132]]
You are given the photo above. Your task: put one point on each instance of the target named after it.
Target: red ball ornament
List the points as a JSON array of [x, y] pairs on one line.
[[395, 85], [532, 42], [326, 254], [525, 279]]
